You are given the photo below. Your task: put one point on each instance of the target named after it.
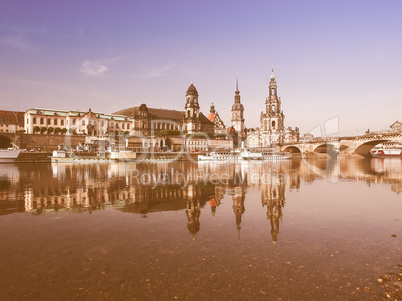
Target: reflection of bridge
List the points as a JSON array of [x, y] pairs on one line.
[[360, 145]]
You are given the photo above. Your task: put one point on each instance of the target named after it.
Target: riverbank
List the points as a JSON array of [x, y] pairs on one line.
[[33, 157], [392, 284]]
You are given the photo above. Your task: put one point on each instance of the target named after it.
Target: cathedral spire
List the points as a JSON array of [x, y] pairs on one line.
[[272, 74], [237, 92]]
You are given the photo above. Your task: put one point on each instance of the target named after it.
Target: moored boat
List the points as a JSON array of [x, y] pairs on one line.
[[220, 156], [271, 155], [10, 153], [244, 154], [249, 155], [61, 156], [387, 153]]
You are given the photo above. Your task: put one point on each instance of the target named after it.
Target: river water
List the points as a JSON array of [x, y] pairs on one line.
[[290, 230]]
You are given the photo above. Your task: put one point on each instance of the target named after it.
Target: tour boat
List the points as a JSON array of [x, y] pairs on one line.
[[61, 156], [387, 153], [248, 155], [220, 156], [244, 155], [271, 155]]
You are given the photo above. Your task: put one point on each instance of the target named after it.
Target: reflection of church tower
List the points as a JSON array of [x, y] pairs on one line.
[[238, 206], [237, 114], [273, 196], [215, 199], [192, 121], [193, 211]]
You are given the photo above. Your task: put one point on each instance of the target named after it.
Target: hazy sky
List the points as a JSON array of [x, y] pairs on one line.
[[331, 58]]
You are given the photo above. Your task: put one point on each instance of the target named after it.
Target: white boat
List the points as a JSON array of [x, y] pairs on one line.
[[244, 154], [61, 156], [271, 155], [220, 156], [249, 155], [10, 153]]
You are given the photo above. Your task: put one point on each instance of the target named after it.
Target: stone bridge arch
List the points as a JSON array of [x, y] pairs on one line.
[[327, 148], [364, 148], [292, 149]]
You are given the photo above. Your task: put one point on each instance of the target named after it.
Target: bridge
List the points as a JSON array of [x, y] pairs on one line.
[[7, 138], [360, 145]]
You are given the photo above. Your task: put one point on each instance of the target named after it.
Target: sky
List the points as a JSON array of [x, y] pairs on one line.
[[330, 58]]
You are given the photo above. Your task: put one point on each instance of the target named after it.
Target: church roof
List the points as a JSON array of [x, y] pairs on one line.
[[205, 120], [192, 90], [211, 117], [396, 123], [160, 114], [154, 113], [166, 114]]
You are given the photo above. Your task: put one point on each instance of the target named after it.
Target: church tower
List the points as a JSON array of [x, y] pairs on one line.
[[237, 113], [273, 120], [192, 121]]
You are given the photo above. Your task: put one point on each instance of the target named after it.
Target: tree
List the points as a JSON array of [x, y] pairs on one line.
[[71, 131], [43, 129], [63, 130], [57, 130], [50, 130], [36, 129]]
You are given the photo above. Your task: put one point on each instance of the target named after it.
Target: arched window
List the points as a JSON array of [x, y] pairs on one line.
[[273, 124], [273, 91], [273, 108]]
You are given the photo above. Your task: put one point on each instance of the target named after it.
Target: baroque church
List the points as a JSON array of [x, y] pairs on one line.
[[191, 120], [272, 129]]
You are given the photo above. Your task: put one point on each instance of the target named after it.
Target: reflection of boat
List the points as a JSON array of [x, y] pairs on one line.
[[10, 153], [387, 153]]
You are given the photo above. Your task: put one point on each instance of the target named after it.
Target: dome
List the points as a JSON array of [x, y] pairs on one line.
[[192, 90]]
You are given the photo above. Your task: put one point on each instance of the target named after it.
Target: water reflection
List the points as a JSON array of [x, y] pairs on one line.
[[145, 188]]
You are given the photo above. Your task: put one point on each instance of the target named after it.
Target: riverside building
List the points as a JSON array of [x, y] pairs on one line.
[[48, 121]]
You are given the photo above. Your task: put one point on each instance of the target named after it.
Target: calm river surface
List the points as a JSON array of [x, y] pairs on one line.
[[291, 230]]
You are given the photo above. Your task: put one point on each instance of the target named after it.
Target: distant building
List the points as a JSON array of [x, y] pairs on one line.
[[190, 121], [219, 126], [272, 129], [396, 126], [11, 121], [48, 121]]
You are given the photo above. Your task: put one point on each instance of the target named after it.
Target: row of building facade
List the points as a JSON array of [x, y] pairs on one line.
[[141, 120]]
